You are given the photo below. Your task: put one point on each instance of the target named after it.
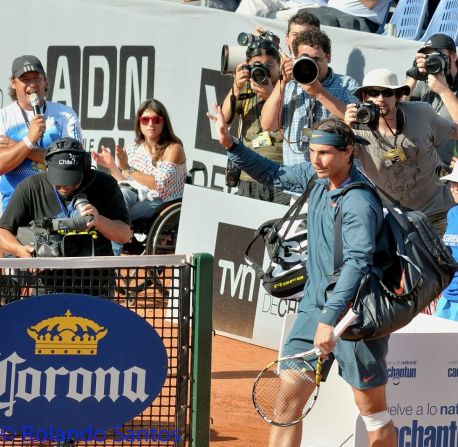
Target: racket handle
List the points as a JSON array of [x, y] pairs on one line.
[[346, 320]]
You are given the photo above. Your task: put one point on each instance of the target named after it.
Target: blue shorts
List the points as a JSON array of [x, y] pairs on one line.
[[362, 364]]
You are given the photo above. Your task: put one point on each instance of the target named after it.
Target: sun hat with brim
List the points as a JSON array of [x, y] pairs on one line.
[[453, 177], [382, 78]]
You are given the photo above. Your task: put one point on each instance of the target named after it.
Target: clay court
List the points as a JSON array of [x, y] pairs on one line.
[[235, 366]]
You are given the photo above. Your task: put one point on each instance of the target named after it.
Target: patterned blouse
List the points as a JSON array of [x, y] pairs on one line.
[[170, 177]]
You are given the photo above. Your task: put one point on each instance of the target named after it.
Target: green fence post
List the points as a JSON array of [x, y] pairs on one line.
[[202, 349]]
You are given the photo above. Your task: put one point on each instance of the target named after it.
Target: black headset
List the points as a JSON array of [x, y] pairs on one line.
[[69, 145]]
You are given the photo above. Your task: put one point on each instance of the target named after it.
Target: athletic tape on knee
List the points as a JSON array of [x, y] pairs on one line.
[[376, 420]]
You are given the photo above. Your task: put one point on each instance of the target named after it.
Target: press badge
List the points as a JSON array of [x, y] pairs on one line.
[[306, 134], [393, 156], [263, 139]]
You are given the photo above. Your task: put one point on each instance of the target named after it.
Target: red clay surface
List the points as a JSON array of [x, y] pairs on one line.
[[235, 366]]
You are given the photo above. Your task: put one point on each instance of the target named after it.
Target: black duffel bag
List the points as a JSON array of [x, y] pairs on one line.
[[412, 266], [286, 243]]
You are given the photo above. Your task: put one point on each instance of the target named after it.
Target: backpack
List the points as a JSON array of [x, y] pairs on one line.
[[411, 267], [286, 243]]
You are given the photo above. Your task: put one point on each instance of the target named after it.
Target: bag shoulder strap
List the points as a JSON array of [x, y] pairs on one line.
[[338, 242]]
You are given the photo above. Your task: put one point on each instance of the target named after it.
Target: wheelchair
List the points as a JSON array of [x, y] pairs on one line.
[[156, 235]]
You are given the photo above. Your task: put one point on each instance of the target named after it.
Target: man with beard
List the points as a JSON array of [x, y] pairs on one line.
[[401, 157], [50, 194]]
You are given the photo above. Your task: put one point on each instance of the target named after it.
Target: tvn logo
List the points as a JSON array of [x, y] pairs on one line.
[[235, 285], [241, 278]]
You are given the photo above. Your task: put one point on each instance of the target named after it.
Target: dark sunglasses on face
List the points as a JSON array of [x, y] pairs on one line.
[[373, 93], [145, 120]]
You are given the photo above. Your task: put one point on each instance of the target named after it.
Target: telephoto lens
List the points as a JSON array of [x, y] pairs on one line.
[[305, 70]]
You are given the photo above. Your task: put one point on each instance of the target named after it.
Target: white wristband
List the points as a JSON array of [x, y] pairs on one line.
[[27, 142]]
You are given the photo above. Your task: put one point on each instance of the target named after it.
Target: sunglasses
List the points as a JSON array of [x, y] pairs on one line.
[[145, 120], [386, 93]]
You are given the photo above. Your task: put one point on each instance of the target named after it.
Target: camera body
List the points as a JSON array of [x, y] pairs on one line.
[[305, 70], [232, 174], [60, 237], [259, 72], [367, 116], [435, 63]]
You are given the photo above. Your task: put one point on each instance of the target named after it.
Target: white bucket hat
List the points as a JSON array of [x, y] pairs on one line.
[[382, 77], [453, 177]]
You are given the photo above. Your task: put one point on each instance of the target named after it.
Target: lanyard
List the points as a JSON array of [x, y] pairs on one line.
[[65, 209]]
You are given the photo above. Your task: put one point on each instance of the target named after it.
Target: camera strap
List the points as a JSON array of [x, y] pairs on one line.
[[67, 209]]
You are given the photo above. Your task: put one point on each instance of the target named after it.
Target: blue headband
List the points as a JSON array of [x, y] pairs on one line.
[[331, 139]]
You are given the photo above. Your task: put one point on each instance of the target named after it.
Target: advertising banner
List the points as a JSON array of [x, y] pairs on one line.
[[71, 371]]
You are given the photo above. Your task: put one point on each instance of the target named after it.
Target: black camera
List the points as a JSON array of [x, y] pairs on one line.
[[60, 237], [367, 116], [232, 174], [248, 39], [435, 63], [259, 72], [305, 70]]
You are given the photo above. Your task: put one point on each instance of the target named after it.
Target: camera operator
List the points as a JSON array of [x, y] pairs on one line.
[[254, 80], [308, 92], [434, 79], [50, 194], [401, 155]]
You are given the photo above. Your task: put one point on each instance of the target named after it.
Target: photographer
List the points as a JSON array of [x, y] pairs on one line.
[[401, 157], [254, 80], [308, 92], [434, 79], [50, 194]]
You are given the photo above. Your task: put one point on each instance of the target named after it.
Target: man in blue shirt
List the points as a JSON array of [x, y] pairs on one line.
[[30, 124], [295, 106]]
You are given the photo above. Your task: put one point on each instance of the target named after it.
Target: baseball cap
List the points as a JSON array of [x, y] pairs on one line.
[[439, 42], [24, 64], [66, 162]]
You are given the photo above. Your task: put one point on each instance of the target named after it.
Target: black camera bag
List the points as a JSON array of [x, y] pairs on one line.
[[411, 268], [286, 243]]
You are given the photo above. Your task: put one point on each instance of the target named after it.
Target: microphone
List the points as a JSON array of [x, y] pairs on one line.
[[34, 102]]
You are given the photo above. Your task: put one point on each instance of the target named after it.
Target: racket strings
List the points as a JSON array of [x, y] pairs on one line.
[[279, 385]]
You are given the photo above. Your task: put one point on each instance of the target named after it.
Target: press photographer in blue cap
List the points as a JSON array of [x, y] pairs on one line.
[[52, 195], [362, 364]]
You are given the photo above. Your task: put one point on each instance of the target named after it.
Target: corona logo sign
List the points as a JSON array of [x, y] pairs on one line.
[[76, 360], [67, 335]]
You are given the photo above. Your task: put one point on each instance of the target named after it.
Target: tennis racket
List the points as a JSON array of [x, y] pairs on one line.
[[279, 384]]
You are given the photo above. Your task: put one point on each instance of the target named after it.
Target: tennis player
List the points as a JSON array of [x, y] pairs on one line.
[[362, 364]]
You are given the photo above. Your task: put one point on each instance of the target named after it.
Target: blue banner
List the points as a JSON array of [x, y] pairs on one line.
[[76, 361]]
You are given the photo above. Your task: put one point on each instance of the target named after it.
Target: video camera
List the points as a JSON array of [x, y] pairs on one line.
[[367, 116], [231, 56], [435, 63], [60, 237]]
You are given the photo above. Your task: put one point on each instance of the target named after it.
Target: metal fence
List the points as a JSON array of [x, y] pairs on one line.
[[173, 293]]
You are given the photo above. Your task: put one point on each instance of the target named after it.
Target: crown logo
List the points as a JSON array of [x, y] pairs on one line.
[[66, 335]]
